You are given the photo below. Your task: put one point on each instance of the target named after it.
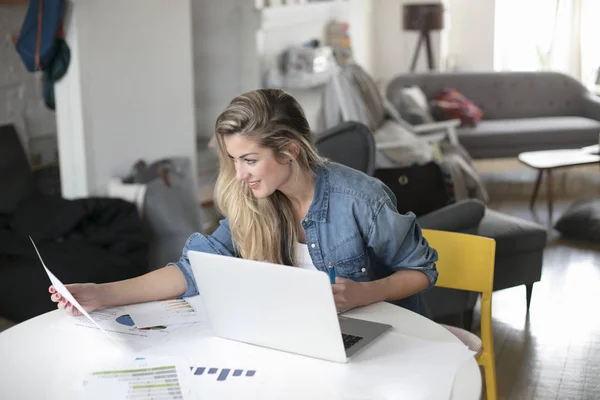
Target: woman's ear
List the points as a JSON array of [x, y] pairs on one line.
[[294, 149]]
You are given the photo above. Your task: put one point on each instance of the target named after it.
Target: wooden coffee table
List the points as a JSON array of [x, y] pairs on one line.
[[548, 160]]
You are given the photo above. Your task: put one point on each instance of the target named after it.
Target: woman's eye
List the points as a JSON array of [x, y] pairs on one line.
[[250, 162]]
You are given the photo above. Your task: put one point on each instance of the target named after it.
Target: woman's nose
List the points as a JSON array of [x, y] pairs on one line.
[[240, 173]]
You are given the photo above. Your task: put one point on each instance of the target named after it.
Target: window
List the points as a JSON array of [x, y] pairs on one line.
[[558, 35]]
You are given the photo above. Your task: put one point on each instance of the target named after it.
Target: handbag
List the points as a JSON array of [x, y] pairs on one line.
[[420, 188]]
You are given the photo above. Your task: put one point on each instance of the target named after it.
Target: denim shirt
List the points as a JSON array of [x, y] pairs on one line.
[[353, 224]]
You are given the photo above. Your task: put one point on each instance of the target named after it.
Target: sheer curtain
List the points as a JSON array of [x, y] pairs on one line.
[[557, 35]]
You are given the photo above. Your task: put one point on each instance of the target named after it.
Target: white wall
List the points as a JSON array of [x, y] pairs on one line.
[[225, 51], [128, 93], [394, 47], [471, 34], [468, 37]]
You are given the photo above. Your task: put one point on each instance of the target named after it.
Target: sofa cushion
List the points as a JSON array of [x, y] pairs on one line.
[[414, 108], [530, 131], [513, 235], [581, 220], [451, 104]]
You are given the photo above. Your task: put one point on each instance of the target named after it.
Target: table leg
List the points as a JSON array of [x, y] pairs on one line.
[[549, 192], [563, 182], [536, 188]]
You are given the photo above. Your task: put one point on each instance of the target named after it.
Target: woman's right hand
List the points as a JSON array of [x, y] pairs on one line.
[[86, 294]]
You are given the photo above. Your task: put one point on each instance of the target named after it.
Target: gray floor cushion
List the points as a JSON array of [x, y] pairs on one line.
[[581, 220]]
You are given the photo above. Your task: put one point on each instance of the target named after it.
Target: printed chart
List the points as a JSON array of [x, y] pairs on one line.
[[210, 381], [222, 373], [167, 312], [118, 324], [139, 383]]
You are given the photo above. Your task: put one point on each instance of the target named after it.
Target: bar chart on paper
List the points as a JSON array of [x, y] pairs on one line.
[[221, 374], [138, 383], [227, 382], [167, 312]]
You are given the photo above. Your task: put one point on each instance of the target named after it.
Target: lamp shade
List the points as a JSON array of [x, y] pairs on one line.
[[423, 17]]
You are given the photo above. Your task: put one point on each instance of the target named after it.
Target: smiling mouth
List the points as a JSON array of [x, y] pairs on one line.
[[253, 184]]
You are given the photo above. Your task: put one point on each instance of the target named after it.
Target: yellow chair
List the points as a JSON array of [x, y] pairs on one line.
[[466, 262]]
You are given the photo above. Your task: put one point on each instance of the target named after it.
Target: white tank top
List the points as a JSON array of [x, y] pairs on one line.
[[303, 256]]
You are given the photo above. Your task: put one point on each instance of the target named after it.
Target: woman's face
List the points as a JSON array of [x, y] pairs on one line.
[[257, 166]]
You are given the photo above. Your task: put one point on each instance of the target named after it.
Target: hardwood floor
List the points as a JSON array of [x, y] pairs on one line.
[[552, 352]]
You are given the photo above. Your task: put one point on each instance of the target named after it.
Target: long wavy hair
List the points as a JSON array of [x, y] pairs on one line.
[[263, 229]]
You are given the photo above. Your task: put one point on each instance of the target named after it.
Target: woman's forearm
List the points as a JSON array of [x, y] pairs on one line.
[[162, 284], [399, 285]]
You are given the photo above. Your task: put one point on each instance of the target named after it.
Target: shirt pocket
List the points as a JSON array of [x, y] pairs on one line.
[[349, 258]]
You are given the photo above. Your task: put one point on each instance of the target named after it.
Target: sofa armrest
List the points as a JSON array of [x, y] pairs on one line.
[[448, 127], [437, 126], [391, 145], [463, 217], [591, 106]]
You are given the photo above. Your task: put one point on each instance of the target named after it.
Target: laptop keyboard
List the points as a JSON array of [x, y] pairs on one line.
[[350, 340]]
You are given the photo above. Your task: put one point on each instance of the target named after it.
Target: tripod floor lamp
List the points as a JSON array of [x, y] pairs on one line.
[[424, 17]]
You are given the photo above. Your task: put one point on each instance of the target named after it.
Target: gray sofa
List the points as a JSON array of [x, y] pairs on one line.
[[523, 111]]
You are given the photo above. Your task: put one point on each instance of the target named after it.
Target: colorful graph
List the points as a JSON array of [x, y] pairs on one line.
[[127, 321], [137, 383], [179, 305], [164, 313], [223, 373]]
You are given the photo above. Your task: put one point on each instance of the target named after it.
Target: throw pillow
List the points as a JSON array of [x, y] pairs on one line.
[[451, 104], [581, 220], [415, 109]]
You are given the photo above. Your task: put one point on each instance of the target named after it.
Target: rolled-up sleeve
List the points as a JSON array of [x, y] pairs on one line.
[[218, 243], [398, 243]]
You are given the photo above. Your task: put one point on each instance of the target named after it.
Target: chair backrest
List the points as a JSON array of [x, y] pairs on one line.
[[466, 262], [349, 143]]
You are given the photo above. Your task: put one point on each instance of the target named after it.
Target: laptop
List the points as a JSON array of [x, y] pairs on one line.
[[279, 307]]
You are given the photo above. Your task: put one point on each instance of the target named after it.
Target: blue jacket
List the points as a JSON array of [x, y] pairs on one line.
[[352, 223]]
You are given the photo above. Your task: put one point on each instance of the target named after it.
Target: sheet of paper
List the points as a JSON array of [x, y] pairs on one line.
[[117, 324], [140, 379], [62, 290], [167, 312]]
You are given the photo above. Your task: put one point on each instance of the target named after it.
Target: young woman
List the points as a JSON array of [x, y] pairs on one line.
[[285, 204]]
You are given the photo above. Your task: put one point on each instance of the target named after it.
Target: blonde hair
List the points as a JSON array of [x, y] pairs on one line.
[[263, 229]]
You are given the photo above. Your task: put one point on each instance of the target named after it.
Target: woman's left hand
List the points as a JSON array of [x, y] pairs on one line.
[[349, 294]]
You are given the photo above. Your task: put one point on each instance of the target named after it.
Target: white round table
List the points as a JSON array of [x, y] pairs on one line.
[[33, 353]]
